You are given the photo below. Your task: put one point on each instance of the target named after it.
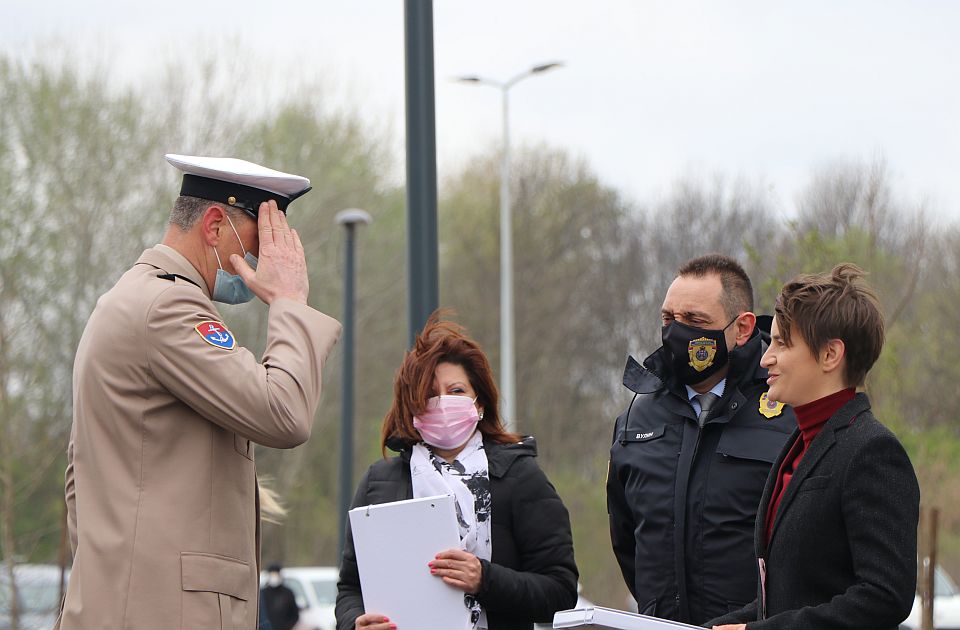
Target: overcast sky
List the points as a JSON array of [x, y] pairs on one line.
[[651, 91]]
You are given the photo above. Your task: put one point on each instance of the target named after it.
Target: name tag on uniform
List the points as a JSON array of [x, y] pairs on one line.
[[644, 435]]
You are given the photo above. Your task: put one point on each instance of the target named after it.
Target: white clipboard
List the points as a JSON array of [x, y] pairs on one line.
[[394, 542], [600, 617]]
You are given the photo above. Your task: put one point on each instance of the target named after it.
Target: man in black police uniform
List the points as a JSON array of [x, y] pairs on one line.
[[691, 454]]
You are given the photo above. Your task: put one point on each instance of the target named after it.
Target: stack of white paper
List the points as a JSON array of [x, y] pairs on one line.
[[599, 617], [394, 542]]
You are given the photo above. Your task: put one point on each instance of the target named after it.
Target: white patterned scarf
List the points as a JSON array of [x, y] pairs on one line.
[[468, 480]]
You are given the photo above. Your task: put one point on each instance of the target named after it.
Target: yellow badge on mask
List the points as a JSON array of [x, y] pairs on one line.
[[701, 352], [769, 408]]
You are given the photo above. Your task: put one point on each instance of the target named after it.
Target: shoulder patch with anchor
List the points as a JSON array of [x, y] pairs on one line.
[[216, 334], [770, 408]]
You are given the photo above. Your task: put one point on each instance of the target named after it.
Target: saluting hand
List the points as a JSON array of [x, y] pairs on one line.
[[460, 569], [281, 266]]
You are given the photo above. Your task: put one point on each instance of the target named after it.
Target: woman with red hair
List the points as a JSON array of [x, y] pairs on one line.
[[515, 565]]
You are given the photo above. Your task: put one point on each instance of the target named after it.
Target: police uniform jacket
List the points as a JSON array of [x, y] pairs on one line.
[[161, 486], [842, 554], [682, 500], [531, 574]]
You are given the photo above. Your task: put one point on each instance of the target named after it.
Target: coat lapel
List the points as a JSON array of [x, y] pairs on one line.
[[820, 446], [405, 487], [760, 531]]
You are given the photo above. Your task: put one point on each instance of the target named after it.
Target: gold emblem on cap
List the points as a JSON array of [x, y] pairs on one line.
[[769, 408], [701, 352], [231, 200]]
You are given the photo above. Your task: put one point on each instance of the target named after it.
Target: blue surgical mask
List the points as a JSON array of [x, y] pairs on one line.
[[230, 288]]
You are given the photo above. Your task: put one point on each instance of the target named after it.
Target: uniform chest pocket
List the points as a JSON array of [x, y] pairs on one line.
[[642, 435], [814, 483], [762, 445]]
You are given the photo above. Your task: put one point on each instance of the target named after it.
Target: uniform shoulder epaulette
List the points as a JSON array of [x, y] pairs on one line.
[[173, 276]]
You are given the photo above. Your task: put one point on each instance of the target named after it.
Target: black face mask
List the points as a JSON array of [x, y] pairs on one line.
[[696, 354]]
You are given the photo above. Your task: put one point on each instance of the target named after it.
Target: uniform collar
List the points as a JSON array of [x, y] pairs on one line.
[[718, 390], [168, 259], [500, 457], [654, 374]]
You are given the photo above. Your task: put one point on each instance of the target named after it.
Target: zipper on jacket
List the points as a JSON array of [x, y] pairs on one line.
[[680, 533]]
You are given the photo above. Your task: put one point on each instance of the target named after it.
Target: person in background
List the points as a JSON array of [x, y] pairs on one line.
[[263, 622], [836, 535], [691, 453], [515, 565], [271, 511], [279, 600]]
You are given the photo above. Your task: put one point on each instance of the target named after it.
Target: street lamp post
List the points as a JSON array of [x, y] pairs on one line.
[[349, 219], [507, 361], [422, 252]]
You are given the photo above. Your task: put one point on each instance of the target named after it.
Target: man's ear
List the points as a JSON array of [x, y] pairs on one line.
[[211, 222], [744, 326], [833, 355]]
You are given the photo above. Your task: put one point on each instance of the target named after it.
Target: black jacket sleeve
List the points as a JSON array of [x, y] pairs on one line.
[[622, 527], [349, 596], [744, 615], [546, 580]]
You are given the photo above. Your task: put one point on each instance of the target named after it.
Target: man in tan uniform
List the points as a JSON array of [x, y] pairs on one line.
[[161, 485]]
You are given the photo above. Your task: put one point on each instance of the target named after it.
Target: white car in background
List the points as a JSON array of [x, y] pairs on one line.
[[315, 589], [38, 596], [946, 605]]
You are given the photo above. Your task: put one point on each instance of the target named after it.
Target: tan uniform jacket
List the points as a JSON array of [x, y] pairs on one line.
[[161, 485]]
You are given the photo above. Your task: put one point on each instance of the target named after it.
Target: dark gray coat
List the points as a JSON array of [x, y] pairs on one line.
[[843, 552], [532, 573]]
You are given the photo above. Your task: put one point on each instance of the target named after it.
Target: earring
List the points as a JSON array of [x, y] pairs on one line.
[[481, 416]]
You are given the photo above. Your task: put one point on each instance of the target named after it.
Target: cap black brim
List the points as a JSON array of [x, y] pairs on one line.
[[246, 198]]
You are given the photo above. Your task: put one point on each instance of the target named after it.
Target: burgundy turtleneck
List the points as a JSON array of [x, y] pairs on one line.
[[810, 419]]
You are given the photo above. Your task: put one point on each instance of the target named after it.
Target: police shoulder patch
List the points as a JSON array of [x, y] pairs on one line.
[[770, 408], [216, 334]]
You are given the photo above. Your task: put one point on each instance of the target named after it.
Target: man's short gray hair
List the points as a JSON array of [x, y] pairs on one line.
[[188, 210]]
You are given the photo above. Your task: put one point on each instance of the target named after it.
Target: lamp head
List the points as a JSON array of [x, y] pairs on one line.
[[546, 66], [352, 216]]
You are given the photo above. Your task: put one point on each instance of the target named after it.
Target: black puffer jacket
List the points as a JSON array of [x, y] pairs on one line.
[[532, 573], [682, 499]]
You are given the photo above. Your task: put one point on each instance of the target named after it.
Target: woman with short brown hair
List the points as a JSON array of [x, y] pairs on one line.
[[836, 533]]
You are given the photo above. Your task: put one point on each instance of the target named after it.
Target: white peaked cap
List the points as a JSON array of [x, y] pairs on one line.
[[237, 183]]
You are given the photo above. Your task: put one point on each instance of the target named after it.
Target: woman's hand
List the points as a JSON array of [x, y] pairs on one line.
[[460, 569], [373, 621]]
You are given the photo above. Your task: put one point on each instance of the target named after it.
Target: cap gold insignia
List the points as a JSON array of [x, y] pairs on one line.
[[770, 408], [701, 352], [231, 200]]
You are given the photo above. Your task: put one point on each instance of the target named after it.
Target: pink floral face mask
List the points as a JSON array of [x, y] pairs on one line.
[[448, 421]]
